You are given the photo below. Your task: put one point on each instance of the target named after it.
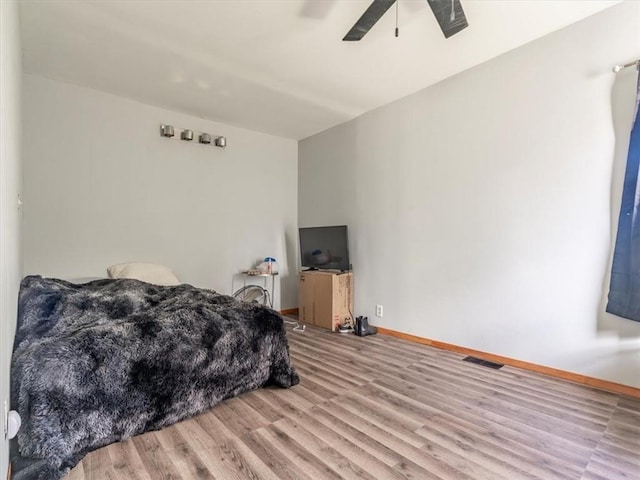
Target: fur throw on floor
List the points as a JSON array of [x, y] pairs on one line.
[[103, 361]]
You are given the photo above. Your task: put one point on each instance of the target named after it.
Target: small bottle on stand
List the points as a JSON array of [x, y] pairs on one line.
[[270, 261]]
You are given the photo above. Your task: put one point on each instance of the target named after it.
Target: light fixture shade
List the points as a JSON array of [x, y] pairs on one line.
[[221, 142], [166, 130], [187, 135], [205, 138]]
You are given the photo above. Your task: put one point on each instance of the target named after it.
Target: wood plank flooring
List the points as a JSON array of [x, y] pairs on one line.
[[384, 408]]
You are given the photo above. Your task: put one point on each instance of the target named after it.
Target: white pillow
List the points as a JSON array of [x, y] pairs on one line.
[[146, 272], [80, 280]]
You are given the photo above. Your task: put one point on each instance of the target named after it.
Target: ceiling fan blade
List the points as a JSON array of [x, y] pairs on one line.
[[450, 16], [368, 19]]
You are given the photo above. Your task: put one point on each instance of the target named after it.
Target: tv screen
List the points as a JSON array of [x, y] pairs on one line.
[[325, 248]]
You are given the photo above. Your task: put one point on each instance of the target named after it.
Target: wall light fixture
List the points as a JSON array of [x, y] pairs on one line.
[[204, 138], [166, 130]]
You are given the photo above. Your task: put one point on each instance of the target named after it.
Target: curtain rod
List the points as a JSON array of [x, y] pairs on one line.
[[617, 68]]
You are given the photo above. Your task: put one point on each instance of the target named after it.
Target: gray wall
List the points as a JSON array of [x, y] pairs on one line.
[[10, 184], [482, 209], [102, 187]]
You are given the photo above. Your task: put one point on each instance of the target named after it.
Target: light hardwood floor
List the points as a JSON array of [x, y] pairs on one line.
[[384, 408]]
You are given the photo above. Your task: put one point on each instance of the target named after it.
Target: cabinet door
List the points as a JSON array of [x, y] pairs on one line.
[[323, 301], [305, 298]]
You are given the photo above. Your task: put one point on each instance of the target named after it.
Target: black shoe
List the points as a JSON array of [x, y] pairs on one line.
[[367, 329], [345, 328], [363, 328]]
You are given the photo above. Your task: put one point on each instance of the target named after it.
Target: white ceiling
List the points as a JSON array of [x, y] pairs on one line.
[[276, 66]]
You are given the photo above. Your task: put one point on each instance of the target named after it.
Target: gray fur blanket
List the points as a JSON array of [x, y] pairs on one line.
[[106, 360]]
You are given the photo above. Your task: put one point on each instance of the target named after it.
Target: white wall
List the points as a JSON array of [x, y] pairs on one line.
[[480, 209], [10, 185], [103, 187]]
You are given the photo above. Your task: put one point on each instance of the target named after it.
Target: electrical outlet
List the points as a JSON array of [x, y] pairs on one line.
[[379, 311]]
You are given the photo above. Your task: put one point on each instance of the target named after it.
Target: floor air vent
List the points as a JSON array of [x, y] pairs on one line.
[[484, 363]]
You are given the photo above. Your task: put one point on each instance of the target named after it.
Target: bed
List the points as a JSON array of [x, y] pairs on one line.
[[102, 361]]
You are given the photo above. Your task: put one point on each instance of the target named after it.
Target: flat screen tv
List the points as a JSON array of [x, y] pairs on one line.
[[325, 248]]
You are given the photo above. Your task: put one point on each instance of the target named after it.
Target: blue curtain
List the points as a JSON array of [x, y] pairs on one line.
[[624, 290]]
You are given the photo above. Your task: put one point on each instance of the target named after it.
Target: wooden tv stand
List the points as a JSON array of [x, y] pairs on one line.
[[325, 298]]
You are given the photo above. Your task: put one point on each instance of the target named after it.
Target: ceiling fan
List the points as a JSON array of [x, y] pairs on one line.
[[449, 14]]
